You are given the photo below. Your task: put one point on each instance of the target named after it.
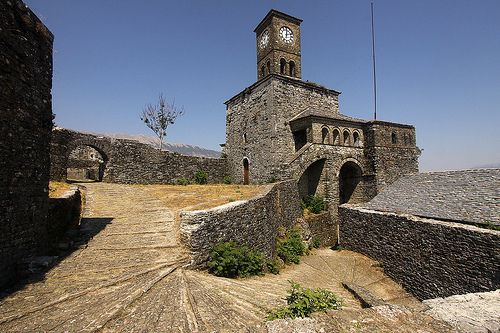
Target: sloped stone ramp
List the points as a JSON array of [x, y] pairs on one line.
[[130, 277]]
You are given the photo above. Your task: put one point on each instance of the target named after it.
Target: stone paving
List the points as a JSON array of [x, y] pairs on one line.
[[130, 278]]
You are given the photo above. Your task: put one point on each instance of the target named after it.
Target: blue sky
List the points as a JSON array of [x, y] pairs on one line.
[[438, 65]]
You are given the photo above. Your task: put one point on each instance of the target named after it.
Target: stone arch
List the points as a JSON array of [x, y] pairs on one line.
[[346, 137], [313, 179], [95, 171], [282, 66], [356, 138], [292, 68], [350, 175], [336, 136], [325, 135], [246, 170]]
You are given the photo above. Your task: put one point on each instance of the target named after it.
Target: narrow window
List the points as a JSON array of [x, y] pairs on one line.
[[245, 138], [394, 138], [346, 138], [246, 172], [324, 135], [355, 136], [405, 139], [282, 66], [268, 67], [262, 71], [292, 68], [336, 137]]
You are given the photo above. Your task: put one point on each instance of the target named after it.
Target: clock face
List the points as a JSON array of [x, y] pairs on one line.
[[264, 39], [286, 35]]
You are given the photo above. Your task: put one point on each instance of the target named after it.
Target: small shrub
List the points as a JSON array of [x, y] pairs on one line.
[[316, 243], [201, 177], [313, 203], [228, 180], [291, 247], [273, 266], [303, 301], [230, 260], [183, 181]]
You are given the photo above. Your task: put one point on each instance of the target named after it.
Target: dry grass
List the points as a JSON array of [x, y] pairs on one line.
[[56, 189], [196, 197]]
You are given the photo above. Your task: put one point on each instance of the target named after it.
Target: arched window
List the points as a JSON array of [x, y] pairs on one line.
[[292, 68], [262, 71], [406, 139], [246, 172], [347, 138], [394, 138], [282, 66], [336, 137], [268, 67], [325, 135], [355, 137]]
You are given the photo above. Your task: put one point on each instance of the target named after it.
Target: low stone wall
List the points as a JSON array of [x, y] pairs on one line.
[[64, 213], [253, 222], [323, 227], [430, 258]]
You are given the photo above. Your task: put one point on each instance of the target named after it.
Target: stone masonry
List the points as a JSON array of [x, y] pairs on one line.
[[25, 131], [128, 161], [419, 229]]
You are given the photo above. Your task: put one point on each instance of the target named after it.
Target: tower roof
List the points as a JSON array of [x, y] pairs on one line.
[[272, 13]]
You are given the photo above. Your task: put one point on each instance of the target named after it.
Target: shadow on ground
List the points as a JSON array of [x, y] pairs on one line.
[[34, 269]]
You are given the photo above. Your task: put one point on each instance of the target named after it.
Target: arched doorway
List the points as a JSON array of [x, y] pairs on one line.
[[349, 178], [312, 181], [246, 172], [86, 163]]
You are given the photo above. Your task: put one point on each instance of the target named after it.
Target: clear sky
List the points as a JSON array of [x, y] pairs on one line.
[[438, 65]]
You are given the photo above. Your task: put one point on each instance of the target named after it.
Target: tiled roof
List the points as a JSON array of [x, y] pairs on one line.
[[471, 196]]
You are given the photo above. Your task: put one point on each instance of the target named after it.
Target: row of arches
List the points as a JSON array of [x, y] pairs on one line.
[[286, 68], [345, 137]]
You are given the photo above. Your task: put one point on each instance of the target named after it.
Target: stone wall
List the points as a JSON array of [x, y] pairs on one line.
[[25, 131], [430, 258], [64, 213], [322, 227], [257, 125], [254, 222], [128, 161]]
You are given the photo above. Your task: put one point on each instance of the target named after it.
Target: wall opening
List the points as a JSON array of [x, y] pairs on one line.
[[282, 66], [346, 138], [355, 137], [336, 137], [86, 163], [313, 180], [325, 135], [394, 138], [268, 64], [246, 172], [349, 178], [262, 71], [300, 139], [292, 68]]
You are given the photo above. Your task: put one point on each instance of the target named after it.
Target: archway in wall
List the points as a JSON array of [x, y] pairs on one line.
[[246, 172], [86, 163], [349, 178], [312, 181]]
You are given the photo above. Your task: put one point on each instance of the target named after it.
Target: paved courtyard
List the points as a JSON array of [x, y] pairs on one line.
[[130, 278]]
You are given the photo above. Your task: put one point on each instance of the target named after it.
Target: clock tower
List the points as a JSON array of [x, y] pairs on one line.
[[278, 45]]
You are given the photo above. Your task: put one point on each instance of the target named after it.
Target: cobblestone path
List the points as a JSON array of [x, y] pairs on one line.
[[130, 278]]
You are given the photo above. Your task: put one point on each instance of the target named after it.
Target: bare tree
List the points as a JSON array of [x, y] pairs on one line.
[[158, 116]]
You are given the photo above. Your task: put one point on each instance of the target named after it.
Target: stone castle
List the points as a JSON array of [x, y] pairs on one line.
[[282, 127]]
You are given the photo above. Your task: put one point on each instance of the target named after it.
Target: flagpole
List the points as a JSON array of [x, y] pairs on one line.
[[374, 72]]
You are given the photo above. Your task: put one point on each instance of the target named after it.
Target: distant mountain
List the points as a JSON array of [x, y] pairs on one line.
[[489, 166], [180, 148]]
